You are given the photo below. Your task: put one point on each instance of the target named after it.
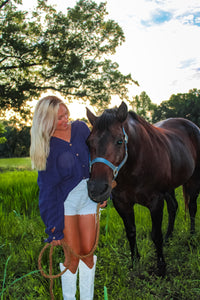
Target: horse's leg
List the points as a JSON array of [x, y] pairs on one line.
[[156, 210], [129, 223], [193, 210], [191, 196], [128, 218], [172, 206], [191, 191]]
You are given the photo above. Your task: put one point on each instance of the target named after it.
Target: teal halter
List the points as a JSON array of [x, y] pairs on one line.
[[108, 163]]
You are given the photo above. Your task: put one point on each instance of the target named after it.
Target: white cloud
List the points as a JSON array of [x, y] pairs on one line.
[[154, 54]]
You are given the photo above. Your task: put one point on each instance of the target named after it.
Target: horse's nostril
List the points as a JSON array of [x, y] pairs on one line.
[[106, 186], [91, 186]]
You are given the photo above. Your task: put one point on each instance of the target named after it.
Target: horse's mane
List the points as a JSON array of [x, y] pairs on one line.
[[154, 133], [107, 118], [148, 126]]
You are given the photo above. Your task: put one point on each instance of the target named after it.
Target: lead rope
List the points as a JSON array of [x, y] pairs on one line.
[[69, 251]]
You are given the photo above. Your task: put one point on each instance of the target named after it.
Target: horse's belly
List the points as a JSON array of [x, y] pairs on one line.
[[182, 169]]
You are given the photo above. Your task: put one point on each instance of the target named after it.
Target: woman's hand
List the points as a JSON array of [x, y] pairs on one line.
[[56, 242], [104, 204]]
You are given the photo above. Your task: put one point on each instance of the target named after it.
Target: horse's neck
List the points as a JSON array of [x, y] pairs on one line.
[[145, 136]]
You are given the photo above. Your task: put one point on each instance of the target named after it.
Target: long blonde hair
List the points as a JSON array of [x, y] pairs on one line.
[[44, 124]]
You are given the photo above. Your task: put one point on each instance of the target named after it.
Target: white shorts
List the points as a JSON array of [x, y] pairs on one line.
[[78, 202]]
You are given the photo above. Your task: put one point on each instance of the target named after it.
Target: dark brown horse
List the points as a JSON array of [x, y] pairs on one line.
[[147, 162]]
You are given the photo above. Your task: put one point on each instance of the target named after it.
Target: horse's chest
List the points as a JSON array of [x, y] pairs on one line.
[[137, 193]]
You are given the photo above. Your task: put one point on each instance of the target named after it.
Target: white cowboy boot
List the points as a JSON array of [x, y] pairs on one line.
[[86, 280], [68, 280]]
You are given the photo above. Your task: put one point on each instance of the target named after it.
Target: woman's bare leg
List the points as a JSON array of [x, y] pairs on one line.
[[87, 236], [80, 235], [72, 238]]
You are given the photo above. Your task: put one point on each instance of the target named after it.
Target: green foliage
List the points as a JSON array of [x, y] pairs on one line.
[[2, 132], [17, 142], [185, 105], [21, 232], [64, 52], [143, 106]]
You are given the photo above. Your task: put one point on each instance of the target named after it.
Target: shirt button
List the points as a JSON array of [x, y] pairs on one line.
[[54, 238], [77, 154], [83, 166], [70, 144]]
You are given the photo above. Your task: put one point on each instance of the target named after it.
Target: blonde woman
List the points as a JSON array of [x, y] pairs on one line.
[[60, 154]]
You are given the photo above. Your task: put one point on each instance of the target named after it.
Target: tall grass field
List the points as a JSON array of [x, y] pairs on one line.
[[22, 235]]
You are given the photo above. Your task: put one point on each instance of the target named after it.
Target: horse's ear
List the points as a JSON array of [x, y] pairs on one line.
[[91, 117], [122, 112]]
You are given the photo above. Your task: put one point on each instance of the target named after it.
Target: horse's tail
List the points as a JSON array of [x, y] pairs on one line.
[[186, 197]]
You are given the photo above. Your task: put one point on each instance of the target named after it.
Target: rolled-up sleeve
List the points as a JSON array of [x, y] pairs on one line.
[[50, 204]]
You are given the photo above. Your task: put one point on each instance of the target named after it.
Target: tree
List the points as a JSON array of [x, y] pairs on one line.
[[143, 106], [2, 132], [186, 105], [17, 140], [67, 53]]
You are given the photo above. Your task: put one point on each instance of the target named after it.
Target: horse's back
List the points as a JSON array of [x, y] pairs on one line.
[[180, 124], [189, 134], [184, 130]]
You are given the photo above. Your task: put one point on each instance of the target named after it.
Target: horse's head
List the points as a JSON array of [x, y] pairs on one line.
[[108, 150]]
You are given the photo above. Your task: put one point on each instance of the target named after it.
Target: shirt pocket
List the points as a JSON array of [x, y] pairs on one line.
[[66, 164]]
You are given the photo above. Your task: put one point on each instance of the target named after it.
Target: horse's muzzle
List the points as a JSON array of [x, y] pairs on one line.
[[98, 191]]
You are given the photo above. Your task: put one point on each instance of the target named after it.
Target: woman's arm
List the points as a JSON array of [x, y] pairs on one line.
[[50, 204]]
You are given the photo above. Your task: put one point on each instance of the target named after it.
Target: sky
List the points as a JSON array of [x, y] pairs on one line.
[[162, 47]]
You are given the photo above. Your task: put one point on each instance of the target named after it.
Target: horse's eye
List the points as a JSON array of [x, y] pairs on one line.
[[119, 142]]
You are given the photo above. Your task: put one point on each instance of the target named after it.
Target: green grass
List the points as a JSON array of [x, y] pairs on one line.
[[22, 235]]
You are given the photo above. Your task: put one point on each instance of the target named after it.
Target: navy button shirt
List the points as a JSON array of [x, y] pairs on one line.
[[67, 165]]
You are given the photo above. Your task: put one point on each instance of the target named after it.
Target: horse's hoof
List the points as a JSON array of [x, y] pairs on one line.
[[161, 272], [161, 269], [192, 231]]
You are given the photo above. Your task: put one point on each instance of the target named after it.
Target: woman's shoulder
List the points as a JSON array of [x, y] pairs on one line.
[[79, 124], [81, 127]]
